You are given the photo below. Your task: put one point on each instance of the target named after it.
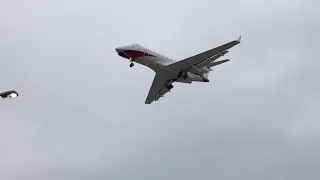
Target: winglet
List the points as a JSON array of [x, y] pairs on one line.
[[239, 39]]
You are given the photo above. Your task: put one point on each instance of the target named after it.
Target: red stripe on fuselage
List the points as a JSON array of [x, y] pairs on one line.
[[136, 54]]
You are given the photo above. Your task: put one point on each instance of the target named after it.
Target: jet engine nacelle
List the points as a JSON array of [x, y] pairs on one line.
[[205, 69]]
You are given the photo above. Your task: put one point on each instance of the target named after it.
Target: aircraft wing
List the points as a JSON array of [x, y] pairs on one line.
[[157, 89], [197, 60], [208, 63]]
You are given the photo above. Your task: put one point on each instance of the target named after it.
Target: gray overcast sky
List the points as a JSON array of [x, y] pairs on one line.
[[81, 113]]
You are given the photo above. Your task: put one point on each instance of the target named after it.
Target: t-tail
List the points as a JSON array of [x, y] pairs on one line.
[[216, 63], [209, 68]]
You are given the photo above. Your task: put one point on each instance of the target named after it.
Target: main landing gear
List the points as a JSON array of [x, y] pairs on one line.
[[131, 64], [183, 74], [169, 86]]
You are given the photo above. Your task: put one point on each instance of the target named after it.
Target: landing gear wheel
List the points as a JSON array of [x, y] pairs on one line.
[[181, 73], [131, 65], [169, 87], [185, 76]]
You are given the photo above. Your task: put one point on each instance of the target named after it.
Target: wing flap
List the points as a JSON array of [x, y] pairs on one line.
[[196, 60], [161, 94], [207, 62], [157, 89]]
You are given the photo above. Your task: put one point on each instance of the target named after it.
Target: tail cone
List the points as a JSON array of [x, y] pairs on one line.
[[205, 79]]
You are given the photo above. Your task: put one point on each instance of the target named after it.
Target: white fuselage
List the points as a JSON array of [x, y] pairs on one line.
[[153, 60]]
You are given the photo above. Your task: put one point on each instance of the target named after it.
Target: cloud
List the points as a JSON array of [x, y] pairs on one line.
[[81, 111]]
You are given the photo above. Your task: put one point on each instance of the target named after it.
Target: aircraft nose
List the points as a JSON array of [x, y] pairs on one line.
[[118, 50], [121, 53]]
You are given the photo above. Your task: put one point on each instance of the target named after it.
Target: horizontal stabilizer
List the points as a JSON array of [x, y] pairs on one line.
[[218, 62]]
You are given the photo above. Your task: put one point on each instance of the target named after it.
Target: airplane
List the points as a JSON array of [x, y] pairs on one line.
[[167, 71], [9, 94]]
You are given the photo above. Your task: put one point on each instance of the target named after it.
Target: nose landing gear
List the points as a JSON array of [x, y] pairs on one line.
[[131, 63]]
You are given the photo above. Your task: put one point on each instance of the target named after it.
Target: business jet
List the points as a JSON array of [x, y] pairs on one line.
[[167, 71]]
